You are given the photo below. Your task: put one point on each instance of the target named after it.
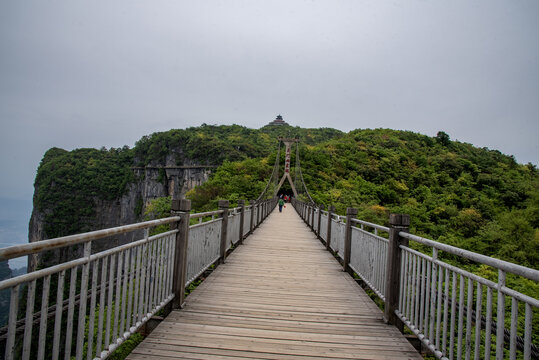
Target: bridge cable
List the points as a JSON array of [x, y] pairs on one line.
[[274, 175], [298, 170]]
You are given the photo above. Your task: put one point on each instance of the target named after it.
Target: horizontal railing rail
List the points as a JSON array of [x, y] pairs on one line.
[[516, 269], [52, 244], [376, 227], [205, 214], [454, 312], [127, 299], [88, 306]]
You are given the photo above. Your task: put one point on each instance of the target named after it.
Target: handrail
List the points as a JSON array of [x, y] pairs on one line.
[[207, 213], [375, 226], [452, 311], [51, 244], [516, 269], [34, 275], [120, 287]]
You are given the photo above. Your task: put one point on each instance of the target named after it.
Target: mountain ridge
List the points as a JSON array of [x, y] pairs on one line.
[[454, 190]]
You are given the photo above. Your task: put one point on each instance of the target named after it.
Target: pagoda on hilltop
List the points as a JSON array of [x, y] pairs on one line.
[[278, 121]]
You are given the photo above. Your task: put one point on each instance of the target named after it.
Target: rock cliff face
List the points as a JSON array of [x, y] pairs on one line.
[[153, 181], [5, 273]]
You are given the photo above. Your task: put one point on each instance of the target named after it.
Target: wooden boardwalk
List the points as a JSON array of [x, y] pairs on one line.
[[281, 295]]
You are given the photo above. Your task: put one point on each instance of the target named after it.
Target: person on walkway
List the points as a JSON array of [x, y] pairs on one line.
[[281, 203]]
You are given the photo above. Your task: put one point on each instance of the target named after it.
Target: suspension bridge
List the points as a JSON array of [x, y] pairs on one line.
[[276, 285]]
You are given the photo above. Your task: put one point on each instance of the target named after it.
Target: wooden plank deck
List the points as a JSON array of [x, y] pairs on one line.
[[281, 295]]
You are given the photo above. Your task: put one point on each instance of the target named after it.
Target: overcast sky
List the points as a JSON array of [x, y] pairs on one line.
[[105, 73]]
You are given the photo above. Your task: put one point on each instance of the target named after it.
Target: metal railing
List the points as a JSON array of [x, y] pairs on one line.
[[337, 235], [88, 306], [369, 255], [455, 313]]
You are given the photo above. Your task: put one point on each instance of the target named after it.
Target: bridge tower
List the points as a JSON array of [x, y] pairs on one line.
[[286, 176]]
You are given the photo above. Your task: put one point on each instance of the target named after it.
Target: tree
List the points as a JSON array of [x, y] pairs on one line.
[[443, 138]]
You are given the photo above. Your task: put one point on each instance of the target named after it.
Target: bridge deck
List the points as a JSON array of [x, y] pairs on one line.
[[281, 295]]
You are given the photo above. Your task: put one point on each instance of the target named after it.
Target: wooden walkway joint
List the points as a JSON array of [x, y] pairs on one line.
[[281, 295]]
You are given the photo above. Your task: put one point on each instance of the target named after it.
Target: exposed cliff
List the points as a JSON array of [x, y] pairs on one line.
[[100, 212], [5, 273]]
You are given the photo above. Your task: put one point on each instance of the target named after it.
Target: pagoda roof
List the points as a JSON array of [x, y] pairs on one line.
[[278, 121]]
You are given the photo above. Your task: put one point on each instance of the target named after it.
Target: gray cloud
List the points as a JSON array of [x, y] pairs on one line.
[[103, 73]]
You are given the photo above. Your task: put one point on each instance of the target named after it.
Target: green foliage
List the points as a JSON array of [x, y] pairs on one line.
[[213, 144], [232, 181], [68, 184], [157, 209], [477, 199], [127, 346], [119, 353], [139, 205], [161, 176], [474, 198], [442, 138]]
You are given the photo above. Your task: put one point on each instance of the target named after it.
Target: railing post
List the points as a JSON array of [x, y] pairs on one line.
[[312, 216], [257, 213], [308, 215], [331, 210], [350, 212], [251, 223], [241, 204], [320, 208], [500, 315], [223, 205], [397, 223], [181, 208]]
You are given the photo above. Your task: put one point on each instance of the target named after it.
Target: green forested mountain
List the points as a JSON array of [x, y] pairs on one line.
[[212, 144], [471, 197], [474, 198], [70, 184]]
